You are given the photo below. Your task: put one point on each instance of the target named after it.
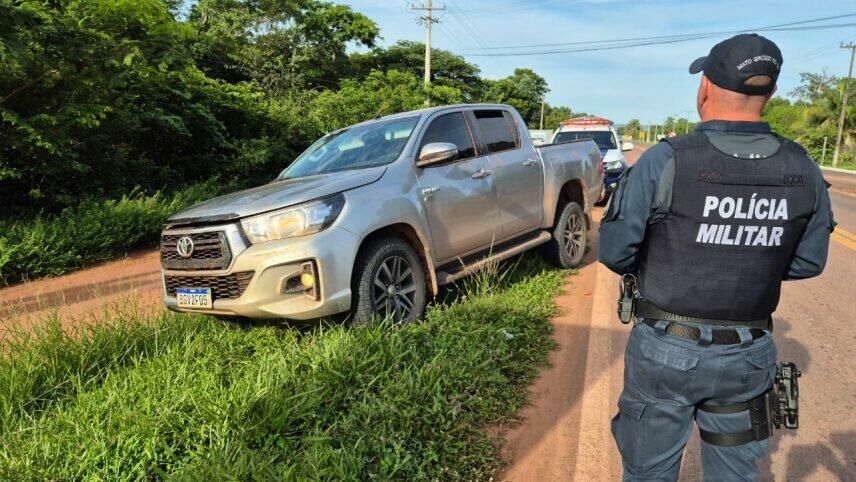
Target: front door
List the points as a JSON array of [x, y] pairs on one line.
[[460, 195], [517, 169]]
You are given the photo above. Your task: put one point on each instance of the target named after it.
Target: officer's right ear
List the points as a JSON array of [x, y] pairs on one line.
[[703, 95]]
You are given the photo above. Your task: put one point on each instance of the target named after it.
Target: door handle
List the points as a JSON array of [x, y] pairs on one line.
[[530, 162], [481, 174]]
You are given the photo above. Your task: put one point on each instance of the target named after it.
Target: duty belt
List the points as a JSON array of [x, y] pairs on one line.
[[679, 326]]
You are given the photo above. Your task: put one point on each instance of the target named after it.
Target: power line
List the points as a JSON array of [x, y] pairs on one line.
[[591, 48], [508, 8], [461, 18], [669, 37]]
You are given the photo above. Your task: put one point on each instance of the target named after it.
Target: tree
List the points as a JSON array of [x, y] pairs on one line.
[[447, 69], [554, 116], [281, 44], [523, 90], [813, 118], [66, 74], [633, 128], [380, 93]]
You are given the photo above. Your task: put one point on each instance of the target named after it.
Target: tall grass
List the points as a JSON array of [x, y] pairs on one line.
[[95, 230], [179, 397]]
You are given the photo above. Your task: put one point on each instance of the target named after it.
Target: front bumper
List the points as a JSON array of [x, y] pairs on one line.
[[333, 251], [610, 179]]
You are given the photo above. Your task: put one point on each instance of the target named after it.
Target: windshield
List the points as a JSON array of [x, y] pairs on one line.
[[360, 147], [603, 139]]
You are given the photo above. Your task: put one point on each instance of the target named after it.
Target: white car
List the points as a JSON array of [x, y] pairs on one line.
[[608, 141]]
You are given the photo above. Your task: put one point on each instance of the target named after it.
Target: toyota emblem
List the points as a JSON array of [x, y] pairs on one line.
[[184, 247]]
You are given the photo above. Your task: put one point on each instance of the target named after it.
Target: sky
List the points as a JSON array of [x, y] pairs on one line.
[[648, 83]]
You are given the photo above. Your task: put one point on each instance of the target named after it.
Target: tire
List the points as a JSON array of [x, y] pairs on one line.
[[567, 245], [389, 281]]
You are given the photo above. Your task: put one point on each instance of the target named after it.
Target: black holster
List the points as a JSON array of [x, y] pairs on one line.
[[775, 408], [627, 301]]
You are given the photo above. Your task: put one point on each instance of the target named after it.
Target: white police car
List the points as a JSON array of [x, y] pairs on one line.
[[604, 135]]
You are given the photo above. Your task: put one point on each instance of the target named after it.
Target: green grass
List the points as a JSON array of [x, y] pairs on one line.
[[96, 230], [850, 166], [180, 397]]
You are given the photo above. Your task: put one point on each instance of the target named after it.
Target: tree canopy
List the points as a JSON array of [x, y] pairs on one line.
[[812, 117], [101, 97]]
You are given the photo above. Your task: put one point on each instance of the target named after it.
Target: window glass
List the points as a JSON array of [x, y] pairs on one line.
[[451, 128], [494, 130], [513, 126], [359, 147], [603, 139]]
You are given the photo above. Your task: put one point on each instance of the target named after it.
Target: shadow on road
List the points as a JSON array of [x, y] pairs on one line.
[[804, 460]]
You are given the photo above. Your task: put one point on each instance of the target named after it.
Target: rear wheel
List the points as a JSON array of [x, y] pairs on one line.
[[567, 246], [389, 282]]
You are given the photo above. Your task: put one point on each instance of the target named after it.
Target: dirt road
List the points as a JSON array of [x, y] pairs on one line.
[[80, 294], [565, 434]]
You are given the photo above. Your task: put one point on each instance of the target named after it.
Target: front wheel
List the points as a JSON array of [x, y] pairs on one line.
[[567, 245], [389, 283]]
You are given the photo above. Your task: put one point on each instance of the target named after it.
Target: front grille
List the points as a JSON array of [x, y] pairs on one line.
[[228, 287], [210, 251]]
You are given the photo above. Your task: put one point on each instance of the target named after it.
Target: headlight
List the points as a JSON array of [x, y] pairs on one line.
[[614, 165], [301, 220]]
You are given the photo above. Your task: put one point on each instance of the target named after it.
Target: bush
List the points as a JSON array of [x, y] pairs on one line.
[[176, 396], [93, 231]]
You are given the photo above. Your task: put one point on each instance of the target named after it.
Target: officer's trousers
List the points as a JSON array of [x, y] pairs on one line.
[[665, 377]]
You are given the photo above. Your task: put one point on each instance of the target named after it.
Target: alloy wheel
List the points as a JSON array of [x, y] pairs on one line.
[[394, 290], [574, 236]]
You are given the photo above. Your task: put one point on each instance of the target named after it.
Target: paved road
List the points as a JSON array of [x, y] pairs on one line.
[[565, 434]]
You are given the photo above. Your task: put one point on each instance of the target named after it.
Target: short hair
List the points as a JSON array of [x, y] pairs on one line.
[[759, 81]]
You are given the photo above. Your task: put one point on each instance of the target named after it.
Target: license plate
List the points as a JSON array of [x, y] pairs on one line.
[[194, 298]]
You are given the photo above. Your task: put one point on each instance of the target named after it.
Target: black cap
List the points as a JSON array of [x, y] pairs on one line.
[[732, 62]]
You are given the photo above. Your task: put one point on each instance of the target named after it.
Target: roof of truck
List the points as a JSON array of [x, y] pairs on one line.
[[431, 110]]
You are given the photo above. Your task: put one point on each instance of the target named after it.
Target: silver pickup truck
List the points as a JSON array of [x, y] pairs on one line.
[[373, 218]]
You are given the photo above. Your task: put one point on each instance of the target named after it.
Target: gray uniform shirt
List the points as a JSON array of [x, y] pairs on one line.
[[644, 196]]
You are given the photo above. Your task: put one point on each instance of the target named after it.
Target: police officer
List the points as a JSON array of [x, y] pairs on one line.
[[710, 224]]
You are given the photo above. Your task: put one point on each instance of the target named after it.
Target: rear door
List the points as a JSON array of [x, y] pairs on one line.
[[517, 169], [459, 196]]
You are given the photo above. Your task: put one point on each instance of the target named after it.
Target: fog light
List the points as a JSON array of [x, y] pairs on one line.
[[305, 281]]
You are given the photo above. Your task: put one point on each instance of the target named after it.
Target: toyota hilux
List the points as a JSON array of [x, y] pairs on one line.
[[372, 219]]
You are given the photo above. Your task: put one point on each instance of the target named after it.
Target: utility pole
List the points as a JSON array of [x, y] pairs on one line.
[[542, 114], [429, 20], [852, 47], [823, 156]]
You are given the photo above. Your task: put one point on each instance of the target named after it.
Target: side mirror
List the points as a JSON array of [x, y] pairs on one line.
[[437, 153], [626, 146]]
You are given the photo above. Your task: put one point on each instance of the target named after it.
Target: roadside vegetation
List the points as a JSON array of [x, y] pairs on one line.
[[809, 115], [95, 230], [142, 396], [106, 104]]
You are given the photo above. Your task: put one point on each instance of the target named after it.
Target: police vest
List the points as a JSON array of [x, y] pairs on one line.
[[730, 235]]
